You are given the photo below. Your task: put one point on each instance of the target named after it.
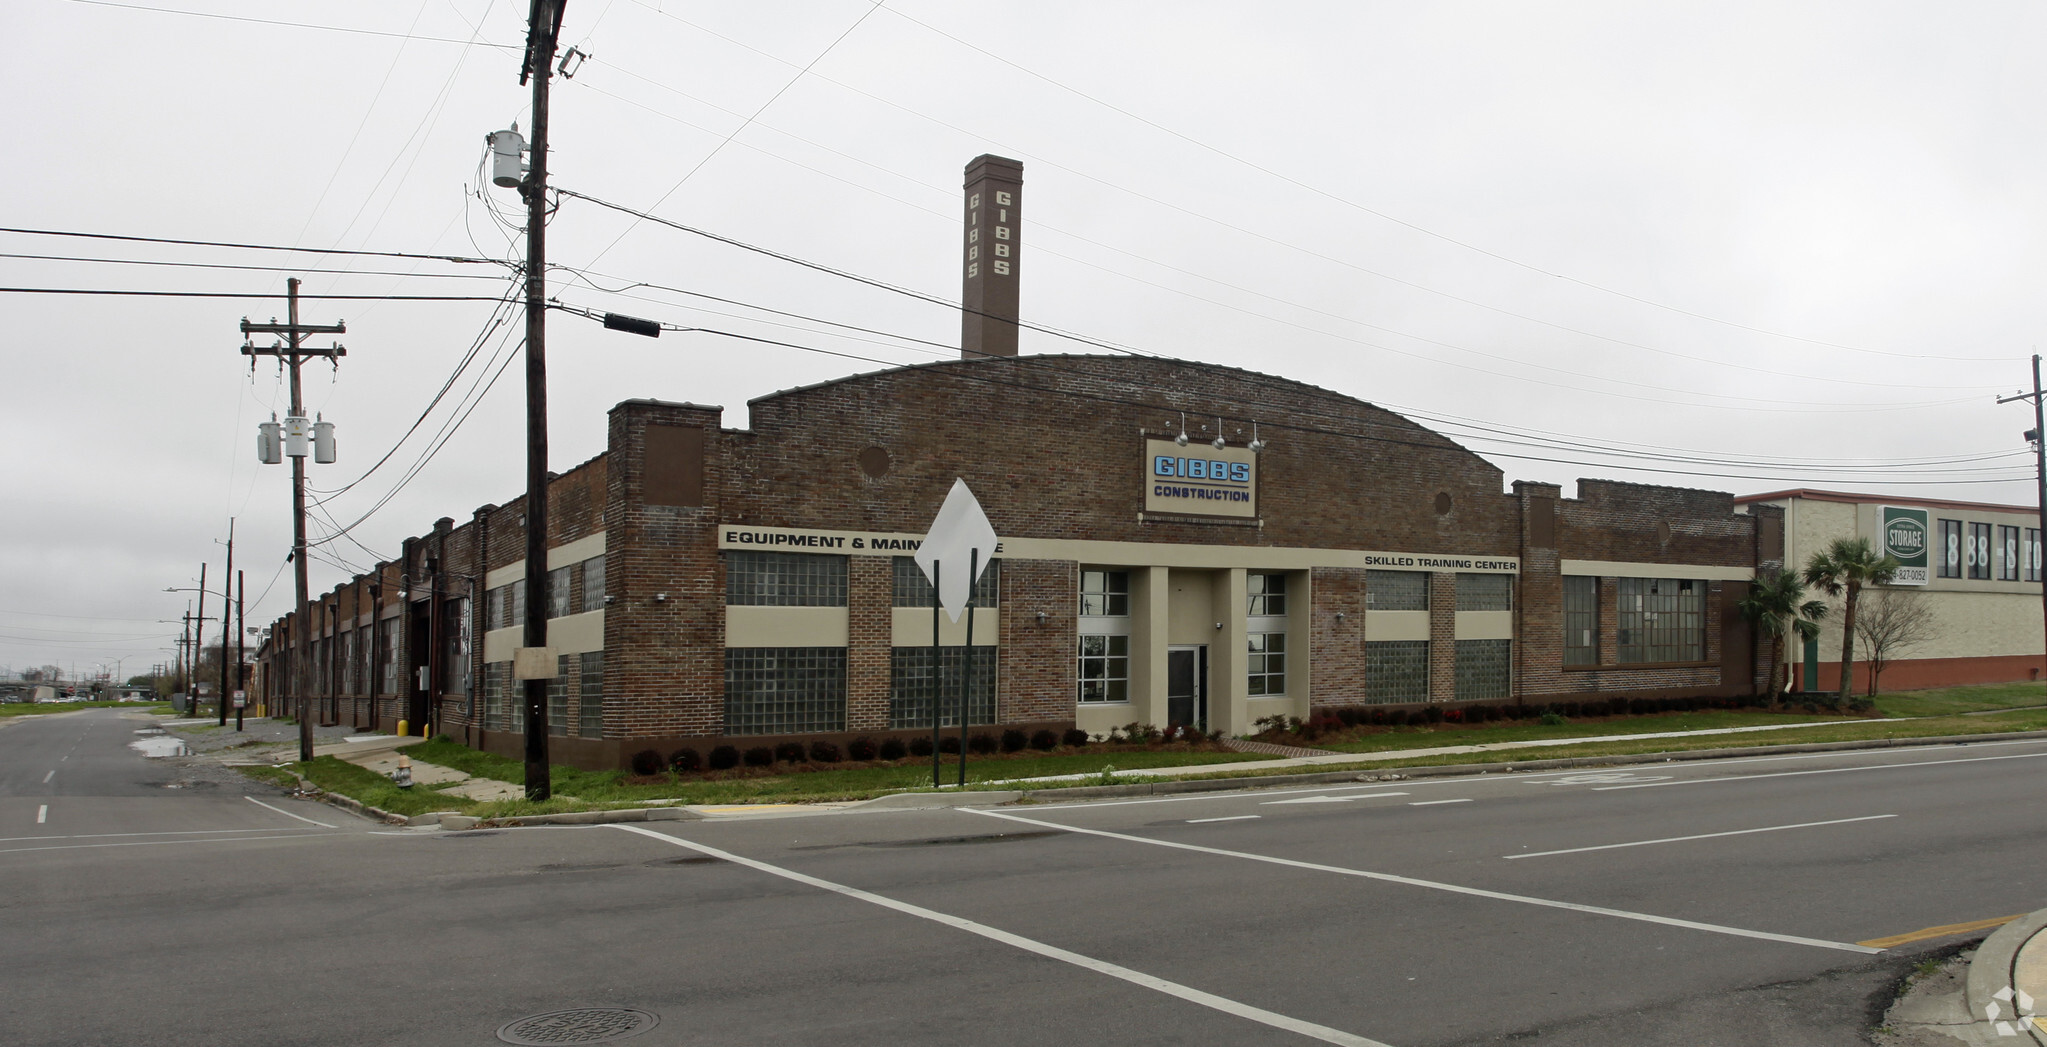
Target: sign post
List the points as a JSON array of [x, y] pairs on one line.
[[961, 532]]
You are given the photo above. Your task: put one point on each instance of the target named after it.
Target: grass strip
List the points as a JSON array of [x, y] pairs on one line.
[[52, 708]]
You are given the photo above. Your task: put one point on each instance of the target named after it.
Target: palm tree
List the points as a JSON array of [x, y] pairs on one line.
[[1776, 604], [1846, 565]]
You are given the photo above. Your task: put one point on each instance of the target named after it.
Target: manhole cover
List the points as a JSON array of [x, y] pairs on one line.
[[583, 1025]]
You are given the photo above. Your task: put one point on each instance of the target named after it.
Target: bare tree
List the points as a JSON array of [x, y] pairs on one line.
[[1891, 622]]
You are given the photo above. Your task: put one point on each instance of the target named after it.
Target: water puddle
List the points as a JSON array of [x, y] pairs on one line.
[[160, 745]]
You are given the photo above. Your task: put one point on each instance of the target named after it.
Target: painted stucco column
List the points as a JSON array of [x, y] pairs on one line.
[[1150, 601], [1229, 689]]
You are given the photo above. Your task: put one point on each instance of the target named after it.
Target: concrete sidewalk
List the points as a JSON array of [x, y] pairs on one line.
[[1991, 996]]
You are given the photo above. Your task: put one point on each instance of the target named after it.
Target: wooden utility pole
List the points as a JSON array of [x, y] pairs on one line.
[[198, 647], [241, 637], [2039, 438], [294, 352], [226, 617], [537, 663]]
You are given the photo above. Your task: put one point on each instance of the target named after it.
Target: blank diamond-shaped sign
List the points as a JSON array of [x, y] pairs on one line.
[[960, 530]]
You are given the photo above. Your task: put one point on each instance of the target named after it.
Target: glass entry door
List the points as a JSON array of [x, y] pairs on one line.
[[1187, 686]]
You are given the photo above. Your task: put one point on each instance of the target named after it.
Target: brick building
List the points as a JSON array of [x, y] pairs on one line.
[[1298, 550]]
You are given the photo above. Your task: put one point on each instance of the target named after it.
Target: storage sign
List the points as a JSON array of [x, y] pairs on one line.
[[1200, 479], [1905, 537]]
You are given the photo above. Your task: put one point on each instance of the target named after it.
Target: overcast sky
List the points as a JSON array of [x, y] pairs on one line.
[[1751, 246]]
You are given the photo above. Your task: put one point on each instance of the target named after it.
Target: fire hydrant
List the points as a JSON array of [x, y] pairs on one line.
[[403, 775]]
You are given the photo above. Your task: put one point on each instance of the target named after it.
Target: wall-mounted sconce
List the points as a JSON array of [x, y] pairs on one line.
[[660, 597], [1339, 616], [1041, 617], [1257, 445], [1218, 433], [1182, 438], [609, 600], [1218, 625]]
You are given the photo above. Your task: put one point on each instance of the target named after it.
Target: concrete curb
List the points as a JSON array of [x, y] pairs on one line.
[[640, 814], [1991, 971], [1387, 774]]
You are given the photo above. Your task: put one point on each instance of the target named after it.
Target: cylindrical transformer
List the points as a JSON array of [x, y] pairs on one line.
[[323, 443], [297, 434], [506, 167], [268, 450]]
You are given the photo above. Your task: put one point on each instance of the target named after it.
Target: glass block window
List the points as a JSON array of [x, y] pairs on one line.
[[2007, 554], [455, 647], [368, 647], [1484, 669], [914, 590], [515, 702], [1977, 555], [785, 580], [1104, 594], [1268, 595], [1581, 620], [1268, 664], [1661, 620], [1485, 592], [786, 690], [494, 695], [392, 680], [910, 685], [348, 664], [558, 592], [1396, 671], [593, 584], [590, 696], [2029, 555], [1949, 553], [495, 609], [1104, 669], [558, 696], [1396, 591], [516, 612]]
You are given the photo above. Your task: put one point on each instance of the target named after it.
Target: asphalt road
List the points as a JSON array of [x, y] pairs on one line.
[[1698, 903]]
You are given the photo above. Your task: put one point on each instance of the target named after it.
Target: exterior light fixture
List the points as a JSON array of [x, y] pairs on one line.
[[1182, 438], [1218, 434], [1257, 445]]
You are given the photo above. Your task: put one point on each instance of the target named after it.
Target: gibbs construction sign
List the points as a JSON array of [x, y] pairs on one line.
[[1904, 536]]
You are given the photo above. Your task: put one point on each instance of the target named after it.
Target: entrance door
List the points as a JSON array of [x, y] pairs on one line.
[[1187, 686]]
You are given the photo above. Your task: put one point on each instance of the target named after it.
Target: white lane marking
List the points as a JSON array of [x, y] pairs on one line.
[[1432, 803], [1227, 1006], [1330, 799], [1231, 818], [1701, 836], [167, 832], [47, 777], [1595, 777], [1232, 794], [42, 814], [1475, 892], [288, 814], [1821, 770], [155, 843]]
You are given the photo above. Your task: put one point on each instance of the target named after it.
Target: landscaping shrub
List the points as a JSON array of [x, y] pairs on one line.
[[759, 756], [789, 752], [1044, 741], [982, 743], [724, 758], [1494, 714], [894, 749], [1396, 717], [862, 748], [1453, 716], [1569, 710], [1348, 715], [824, 752], [647, 761], [1376, 717], [920, 746], [1013, 741], [949, 743], [1550, 719], [1074, 737], [1433, 714], [1323, 723], [684, 761]]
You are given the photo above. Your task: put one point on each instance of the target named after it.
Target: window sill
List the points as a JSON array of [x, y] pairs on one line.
[[1607, 666]]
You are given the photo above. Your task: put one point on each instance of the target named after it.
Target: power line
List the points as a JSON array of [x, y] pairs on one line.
[[241, 294], [245, 268], [298, 25], [251, 247]]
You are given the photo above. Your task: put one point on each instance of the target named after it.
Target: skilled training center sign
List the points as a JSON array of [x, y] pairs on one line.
[[1904, 537], [1200, 479]]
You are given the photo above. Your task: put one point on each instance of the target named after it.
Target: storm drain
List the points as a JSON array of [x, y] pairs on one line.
[[582, 1025]]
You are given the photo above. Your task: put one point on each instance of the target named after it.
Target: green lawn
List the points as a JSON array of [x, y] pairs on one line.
[[1943, 701], [47, 708], [1525, 730]]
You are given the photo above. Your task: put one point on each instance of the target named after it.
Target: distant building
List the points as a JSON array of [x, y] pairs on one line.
[[1978, 570]]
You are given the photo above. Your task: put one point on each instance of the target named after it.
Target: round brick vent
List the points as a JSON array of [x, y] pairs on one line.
[[874, 462], [582, 1025], [1442, 503]]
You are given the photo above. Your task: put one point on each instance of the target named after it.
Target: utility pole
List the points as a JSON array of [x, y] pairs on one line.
[[293, 351], [198, 647], [538, 662], [241, 638], [226, 618], [2038, 436]]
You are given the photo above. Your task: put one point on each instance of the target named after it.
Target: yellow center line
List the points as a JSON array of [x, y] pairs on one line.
[[1938, 932]]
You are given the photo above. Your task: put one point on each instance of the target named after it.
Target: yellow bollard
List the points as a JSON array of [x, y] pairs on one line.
[[401, 728]]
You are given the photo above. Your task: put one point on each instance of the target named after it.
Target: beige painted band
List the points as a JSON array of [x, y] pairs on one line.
[[1627, 569], [748, 626], [558, 557]]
